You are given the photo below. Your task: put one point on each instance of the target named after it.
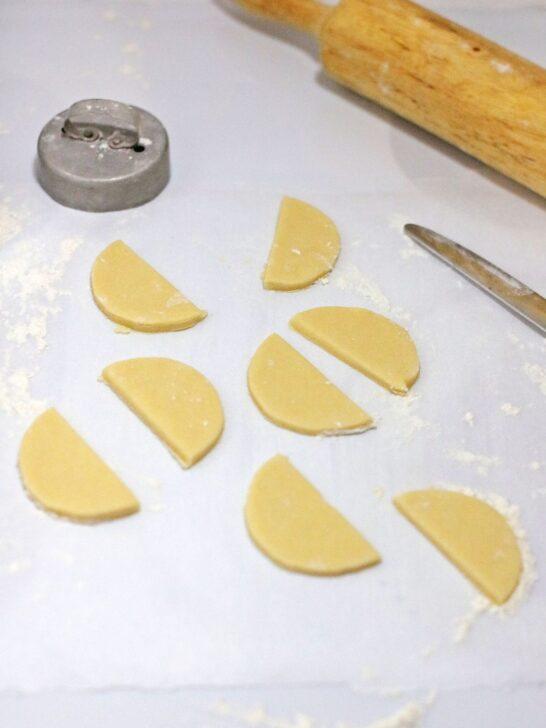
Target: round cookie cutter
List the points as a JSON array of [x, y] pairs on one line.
[[102, 155]]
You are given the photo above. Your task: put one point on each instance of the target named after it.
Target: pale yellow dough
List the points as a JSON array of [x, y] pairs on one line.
[[471, 533], [290, 522], [305, 247], [174, 400], [132, 293], [64, 475], [294, 394], [372, 344]]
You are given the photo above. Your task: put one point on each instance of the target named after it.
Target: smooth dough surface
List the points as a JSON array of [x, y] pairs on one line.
[[176, 401], [294, 394], [305, 247], [64, 475], [471, 533], [290, 522], [370, 343], [132, 293]]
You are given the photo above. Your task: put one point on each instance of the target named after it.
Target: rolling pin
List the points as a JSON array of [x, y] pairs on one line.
[[463, 88]]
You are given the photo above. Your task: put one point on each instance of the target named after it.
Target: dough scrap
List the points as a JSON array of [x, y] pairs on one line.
[[293, 525], [64, 475], [174, 400], [292, 393], [372, 344], [305, 247], [132, 293], [471, 533]]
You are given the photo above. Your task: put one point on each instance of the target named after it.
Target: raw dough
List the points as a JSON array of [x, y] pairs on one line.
[[471, 533], [132, 293], [294, 394], [372, 344], [175, 400], [65, 476], [290, 522], [305, 247]]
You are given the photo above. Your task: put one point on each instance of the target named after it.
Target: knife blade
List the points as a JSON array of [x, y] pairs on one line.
[[507, 290]]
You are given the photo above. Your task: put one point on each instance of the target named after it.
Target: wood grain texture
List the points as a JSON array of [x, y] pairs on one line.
[[465, 89]]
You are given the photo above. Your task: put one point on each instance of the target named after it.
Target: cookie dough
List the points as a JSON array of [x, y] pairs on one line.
[[471, 533], [370, 343], [294, 394], [305, 247], [132, 293], [290, 522], [174, 400], [64, 475]]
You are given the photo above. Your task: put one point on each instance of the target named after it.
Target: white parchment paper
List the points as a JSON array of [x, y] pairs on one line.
[[178, 595]]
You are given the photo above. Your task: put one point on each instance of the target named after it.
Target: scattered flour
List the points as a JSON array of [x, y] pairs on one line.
[[400, 416], [3, 128], [483, 462], [131, 47], [120, 329], [131, 72], [409, 716], [501, 67], [410, 249], [29, 295], [258, 717], [353, 280], [537, 375], [15, 395], [534, 465], [510, 409], [481, 604], [11, 561], [469, 418], [11, 220], [32, 285]]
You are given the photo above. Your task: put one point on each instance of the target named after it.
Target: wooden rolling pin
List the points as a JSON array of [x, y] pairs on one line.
[[467, 90]]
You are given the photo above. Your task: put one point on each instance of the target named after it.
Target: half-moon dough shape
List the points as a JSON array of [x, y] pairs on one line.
[[64, 475], [292, 393], [372, 344], [305, 247], [290, 522], [471, 533], [174, 400], [132, 293]]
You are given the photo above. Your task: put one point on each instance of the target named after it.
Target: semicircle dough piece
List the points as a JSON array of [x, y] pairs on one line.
[[370, 343], [132, 293], [292, 393], [174, 400], [64, 475], [289, 520], [305, 247], [471, 533]]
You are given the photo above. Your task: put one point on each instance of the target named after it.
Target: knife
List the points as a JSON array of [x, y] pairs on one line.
[[511, 293]]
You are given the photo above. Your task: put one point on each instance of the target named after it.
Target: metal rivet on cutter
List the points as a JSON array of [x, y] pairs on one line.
[[102, 155]]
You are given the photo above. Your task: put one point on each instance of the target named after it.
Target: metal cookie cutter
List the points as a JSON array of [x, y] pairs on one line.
[[103, 155]]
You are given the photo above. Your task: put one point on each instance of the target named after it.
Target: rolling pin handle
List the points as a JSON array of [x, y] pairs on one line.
[[307, 15]]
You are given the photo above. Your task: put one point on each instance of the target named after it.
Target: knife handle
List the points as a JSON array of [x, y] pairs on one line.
[[454, 83]]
